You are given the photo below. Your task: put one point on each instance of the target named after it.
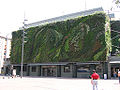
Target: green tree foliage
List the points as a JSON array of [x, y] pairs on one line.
[[117, 2], [75, 40]]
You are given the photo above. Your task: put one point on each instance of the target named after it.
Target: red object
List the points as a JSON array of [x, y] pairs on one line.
[[95, 76]]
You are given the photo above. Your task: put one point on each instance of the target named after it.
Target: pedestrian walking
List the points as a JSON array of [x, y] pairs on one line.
[[119, 75], [115, 74], [94, 80], [14, 73]]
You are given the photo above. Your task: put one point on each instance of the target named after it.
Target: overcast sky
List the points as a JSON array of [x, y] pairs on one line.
[[12, 11]]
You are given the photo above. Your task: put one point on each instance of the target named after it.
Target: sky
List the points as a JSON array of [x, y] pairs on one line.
[[12, 11]]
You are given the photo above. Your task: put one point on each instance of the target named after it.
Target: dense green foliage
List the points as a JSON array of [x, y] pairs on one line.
[[115, 35], [80, 39]]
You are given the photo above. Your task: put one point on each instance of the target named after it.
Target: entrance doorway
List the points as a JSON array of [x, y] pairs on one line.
[[114, 70]]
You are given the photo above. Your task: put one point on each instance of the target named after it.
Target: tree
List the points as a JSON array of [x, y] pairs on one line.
[[116, 4]]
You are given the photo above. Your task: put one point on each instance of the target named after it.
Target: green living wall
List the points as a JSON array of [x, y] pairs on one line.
[[115, 35], [75, 40]]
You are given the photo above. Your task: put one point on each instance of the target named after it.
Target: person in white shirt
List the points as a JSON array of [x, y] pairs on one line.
[[119, 75]]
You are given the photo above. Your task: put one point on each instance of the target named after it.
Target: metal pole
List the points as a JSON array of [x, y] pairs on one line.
[[85, 5], [22, 54], [22, 57]]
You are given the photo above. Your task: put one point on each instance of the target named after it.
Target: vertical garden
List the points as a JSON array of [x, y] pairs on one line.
[[115, 35], [79, 39]]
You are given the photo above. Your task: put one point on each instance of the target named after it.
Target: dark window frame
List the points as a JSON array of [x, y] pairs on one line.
[[33, 68], [24, 68], [67, 69]]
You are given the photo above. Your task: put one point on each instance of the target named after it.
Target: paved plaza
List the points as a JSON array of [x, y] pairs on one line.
[[29, 83]]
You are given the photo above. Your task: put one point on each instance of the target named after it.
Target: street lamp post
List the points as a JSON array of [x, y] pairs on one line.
[[22, 57], [22, 54]]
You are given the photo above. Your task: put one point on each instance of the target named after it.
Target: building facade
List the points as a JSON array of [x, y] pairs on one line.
[[64, 69], [61, 69], [5, 45]]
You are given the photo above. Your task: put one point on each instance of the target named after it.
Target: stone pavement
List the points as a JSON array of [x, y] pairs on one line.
[[29, 83]]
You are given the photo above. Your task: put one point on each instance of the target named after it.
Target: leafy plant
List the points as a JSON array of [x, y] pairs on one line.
[[79, 40]]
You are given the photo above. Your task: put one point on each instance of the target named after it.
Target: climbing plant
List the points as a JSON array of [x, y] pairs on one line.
[[79, 39], [115, 27]]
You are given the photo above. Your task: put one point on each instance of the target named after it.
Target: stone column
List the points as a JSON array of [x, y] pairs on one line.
[[74, 71], [109, 70], [39, 70], [28, 70], [58, 71]]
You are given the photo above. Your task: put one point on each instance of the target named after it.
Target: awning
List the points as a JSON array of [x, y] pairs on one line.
[[57, 63], [114, 59], [80, 63], [45, 64], [115, 62], [17, 64]]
